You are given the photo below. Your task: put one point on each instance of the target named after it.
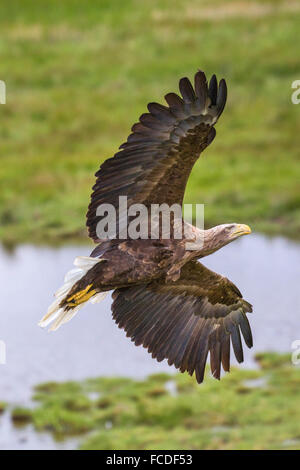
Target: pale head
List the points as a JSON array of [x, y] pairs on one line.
[[221, 235]]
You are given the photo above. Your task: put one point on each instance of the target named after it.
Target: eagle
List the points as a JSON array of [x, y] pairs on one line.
[[163, 297]]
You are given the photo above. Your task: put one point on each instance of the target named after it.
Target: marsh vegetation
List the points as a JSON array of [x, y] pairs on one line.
[[248, 409]]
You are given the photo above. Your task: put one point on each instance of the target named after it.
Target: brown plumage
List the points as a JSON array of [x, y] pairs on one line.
[[163, 298]]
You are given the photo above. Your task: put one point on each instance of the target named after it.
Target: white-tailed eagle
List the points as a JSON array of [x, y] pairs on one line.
[[163, 297]]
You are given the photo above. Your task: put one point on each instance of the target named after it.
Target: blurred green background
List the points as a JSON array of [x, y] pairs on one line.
[[78, 75]]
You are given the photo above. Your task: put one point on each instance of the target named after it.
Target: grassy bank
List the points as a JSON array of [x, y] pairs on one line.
[[248, 409], [78, 77]]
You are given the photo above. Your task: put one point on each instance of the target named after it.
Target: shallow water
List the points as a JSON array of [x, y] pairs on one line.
[[25, 438], [267, 271]]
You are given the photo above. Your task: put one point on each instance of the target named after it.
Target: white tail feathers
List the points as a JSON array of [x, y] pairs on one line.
[[59, 315]]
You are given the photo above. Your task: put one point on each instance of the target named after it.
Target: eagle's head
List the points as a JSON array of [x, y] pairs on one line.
[[230, 232], [219, 236]]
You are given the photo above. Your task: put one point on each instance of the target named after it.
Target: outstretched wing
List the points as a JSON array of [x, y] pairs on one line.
[[154, 164], [185, 320]]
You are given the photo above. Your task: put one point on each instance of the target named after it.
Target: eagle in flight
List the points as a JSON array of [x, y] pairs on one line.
[[163, 297]]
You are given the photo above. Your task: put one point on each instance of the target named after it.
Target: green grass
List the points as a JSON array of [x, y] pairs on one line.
[[21, 416], [248, 409], [78, 77]]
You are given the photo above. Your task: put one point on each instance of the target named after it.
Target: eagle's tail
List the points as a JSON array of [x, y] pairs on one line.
[[68, 301]]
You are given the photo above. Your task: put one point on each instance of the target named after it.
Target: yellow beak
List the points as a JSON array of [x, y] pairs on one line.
[[241, 229]]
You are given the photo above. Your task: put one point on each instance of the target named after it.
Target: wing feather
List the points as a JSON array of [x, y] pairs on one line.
[[213, 89], [161, 150], [184, 321], [186, 90]]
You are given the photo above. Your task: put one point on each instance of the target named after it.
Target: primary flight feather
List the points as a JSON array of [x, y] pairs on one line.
[[163, 297]]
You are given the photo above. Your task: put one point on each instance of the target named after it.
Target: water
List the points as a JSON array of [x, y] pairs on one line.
[[267, 272], [25, 438]]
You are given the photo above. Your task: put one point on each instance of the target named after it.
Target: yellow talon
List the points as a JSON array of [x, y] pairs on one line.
[[81, 296]]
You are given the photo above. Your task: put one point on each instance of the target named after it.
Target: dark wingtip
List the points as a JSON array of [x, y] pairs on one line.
[[186, 90], [199, 93], [213, 89], [222, 96], [173, 100], [201, 88], [246, 330]]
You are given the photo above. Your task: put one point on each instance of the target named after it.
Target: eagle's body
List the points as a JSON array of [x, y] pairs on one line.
[[163, 298]]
